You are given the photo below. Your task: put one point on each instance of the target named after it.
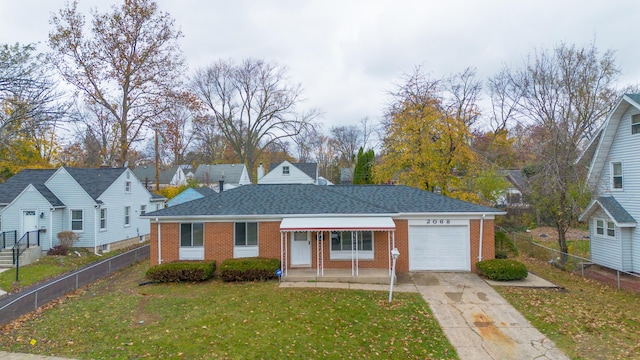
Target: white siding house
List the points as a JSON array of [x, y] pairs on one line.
[[103, 206], [288, 173], [614, 176]]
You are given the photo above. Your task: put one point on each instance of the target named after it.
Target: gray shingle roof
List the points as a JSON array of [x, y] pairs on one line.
[[18, 182], [289, 199], [616, 210], [148, 173], [634, 97], [95, 181], [205, 191], [211, 174]]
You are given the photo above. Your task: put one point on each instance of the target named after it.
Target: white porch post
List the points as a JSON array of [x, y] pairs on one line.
[[357, 263], [317, 254], [352, 257], [281, 253], [389, 249]]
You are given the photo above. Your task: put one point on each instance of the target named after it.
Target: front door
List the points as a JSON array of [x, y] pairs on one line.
[[300, 249], [29, 221]]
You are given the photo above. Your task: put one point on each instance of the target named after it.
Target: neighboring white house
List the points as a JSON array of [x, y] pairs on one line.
[[513, 195], [614, 177], [102, 205], [232, 175], [291, 173]]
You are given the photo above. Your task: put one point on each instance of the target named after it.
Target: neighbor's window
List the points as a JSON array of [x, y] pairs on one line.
[[77, 220], [192, 235], [599, 226], [285, 170], [342, 244], [611, 228], [143, 209], [635, 124], [127, 215], [246, 234], [616, 171], [127, 186], [103, 219]]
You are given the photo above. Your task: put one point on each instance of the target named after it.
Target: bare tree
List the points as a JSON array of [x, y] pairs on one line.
[[346, 141], [565, 93], [28, 94], [176, 128], [463, 91], [252, 104], [128, 63], [305, 142]]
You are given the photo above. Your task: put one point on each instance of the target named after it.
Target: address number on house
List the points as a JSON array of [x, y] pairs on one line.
[[444, 222]]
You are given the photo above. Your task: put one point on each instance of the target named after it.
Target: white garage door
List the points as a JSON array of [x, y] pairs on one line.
[[444, 248]]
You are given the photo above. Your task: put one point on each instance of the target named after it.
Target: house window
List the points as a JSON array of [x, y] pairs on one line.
[[127, 186], [611, 229], [246, 234], [285, 170], [342, 244], [599, 226], [635, 124], [192, 235], [158, 206], [103, 219], [77, 220], [127, 215], [616, 172], [143, 209]]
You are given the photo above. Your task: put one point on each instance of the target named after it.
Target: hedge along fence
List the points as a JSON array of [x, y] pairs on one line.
[[182, 271], [249, 269]]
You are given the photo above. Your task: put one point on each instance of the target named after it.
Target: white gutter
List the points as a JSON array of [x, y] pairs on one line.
[[95, 229], [159, 244], [481, 228]]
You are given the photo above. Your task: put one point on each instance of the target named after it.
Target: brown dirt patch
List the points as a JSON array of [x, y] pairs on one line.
[[552, 234]]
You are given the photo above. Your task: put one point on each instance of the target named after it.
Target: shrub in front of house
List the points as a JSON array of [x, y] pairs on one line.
[[502, 269], [58, 250], [249, 269], [188, 271], [68, 238]]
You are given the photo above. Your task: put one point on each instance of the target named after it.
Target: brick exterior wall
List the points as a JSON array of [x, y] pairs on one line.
[[218, 244]]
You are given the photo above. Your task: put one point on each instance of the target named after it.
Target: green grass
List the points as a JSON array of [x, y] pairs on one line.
[[118, 319], [587, 319], [48, 267]]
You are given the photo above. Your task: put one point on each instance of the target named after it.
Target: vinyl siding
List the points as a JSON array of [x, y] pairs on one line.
[[75, 198], [605, 250], [30, 199], [296, 176], [114, 200], [624, 149]]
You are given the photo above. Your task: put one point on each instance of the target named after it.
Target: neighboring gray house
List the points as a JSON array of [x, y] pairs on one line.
[[190, 194], [513, 195], [614, 177], [102, 205], [291, 173], [233, 175], [174, 176]]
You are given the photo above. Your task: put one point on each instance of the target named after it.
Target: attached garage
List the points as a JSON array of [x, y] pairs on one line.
[[439, 247]]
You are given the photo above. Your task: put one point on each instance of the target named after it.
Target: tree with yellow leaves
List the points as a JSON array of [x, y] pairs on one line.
[[424, 145]]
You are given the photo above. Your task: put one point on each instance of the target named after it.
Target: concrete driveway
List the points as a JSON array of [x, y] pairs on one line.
[[479, 322]]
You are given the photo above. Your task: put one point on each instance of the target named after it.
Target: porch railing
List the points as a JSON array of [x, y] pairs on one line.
[[30, 238], [8, 239]]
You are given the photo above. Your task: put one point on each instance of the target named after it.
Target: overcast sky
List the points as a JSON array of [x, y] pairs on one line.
[[348, 54]]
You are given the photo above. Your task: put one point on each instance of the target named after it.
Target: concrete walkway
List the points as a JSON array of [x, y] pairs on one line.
[[478, 322], [17, 356]]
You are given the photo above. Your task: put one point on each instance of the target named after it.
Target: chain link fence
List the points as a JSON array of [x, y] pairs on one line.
[[525, 244], [14, 305]]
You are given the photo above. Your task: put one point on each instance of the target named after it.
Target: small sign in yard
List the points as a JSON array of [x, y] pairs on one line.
[[278, 273]]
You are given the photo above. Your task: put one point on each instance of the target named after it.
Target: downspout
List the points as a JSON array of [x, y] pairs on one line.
[[159, 246], [95, 229], [481, 228], [51, 227]]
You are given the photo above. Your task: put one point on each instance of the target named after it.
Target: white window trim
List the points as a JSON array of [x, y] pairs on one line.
[[257, 234], [635, 125], [127, 216], [288, 170], [613, 188], [143, 209], [71, 220], [127, 186], [203, 236], [348, 254], [601, 227], [105, 219], [607, 228]]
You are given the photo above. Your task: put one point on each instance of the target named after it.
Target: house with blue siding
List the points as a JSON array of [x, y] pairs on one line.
[[191, 194], [614, 177], [103, 206]]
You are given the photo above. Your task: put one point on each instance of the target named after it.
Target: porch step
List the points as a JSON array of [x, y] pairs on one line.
[[365, 276], [6, 258]]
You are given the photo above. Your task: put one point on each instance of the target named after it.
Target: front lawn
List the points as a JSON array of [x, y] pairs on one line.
[[116, 318], [586, 319]]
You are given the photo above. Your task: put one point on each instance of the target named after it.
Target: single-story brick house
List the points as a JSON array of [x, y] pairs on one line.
[[327, 227]]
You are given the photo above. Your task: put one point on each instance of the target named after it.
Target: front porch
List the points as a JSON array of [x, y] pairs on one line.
[[365, 276]]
